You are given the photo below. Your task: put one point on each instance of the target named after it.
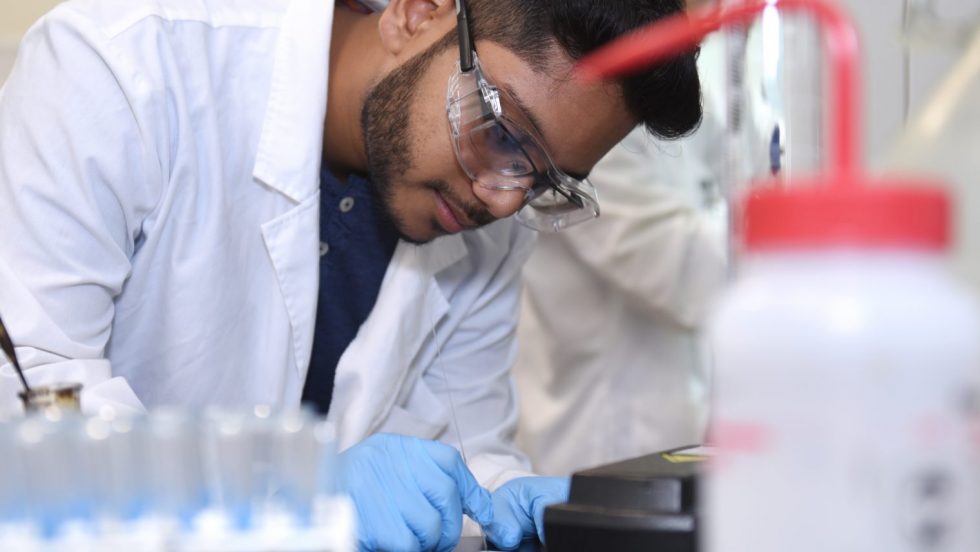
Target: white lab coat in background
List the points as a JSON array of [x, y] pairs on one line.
[[159, 196], [611, 365]]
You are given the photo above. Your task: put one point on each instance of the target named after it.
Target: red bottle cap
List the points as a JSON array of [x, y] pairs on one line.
[[858, 213]]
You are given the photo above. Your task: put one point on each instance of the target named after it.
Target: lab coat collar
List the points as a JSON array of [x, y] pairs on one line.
[[439, 254], [291, 144]]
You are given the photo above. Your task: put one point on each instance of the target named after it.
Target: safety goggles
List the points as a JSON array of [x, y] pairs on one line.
[[497, 148]]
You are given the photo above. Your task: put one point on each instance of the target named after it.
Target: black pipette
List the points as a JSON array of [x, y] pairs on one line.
[[8, 348]]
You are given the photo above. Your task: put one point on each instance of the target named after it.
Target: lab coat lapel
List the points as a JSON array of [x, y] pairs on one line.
[[288, 162], [291, 145], [384, 354], [292, 242]]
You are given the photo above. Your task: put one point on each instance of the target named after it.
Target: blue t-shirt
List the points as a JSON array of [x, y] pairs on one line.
[[356, 245]]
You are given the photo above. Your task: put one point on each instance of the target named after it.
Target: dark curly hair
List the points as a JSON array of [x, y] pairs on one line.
[[666, 98]]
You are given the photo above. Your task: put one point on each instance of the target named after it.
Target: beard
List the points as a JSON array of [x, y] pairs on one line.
[[385, 124]]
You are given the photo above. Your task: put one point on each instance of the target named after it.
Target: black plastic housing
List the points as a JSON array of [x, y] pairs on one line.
[[647, 503]]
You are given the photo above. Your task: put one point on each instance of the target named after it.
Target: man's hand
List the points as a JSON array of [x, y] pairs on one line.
[[411, 494], [518, 509]]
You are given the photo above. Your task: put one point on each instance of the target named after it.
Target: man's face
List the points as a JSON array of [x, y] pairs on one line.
[[409, 148]]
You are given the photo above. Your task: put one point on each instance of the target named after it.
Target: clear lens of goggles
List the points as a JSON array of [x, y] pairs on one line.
[[560, 205], [498, 153]]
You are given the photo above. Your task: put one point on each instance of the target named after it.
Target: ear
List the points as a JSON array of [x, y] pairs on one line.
[[404, 20]]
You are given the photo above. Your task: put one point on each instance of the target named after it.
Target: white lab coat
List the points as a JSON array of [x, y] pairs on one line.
[[611, 365], [159, 195]]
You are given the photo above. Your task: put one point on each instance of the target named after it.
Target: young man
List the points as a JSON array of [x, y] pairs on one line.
[[166, 169]]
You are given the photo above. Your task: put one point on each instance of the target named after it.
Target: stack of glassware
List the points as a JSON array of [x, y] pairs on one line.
[[221, 480]]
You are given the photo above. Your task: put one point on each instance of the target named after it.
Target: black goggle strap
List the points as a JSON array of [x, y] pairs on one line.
[[465, 41]]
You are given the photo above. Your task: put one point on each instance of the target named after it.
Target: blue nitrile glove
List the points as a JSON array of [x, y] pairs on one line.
[[518, 509], [411, 494]]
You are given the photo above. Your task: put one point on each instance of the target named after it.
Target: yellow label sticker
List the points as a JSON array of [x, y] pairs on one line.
[[682, 458]]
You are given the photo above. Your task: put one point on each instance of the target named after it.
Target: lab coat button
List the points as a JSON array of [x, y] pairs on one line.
[[346, 204], [324, 248]]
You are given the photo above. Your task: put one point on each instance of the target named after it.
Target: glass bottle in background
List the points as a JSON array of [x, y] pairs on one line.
[[773, 97], [772, 102]]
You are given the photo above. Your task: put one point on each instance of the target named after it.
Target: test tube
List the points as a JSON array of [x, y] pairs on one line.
[[175, 482], [58, 476], [229, 439], [12, 478], [120, 466], [301, 455]]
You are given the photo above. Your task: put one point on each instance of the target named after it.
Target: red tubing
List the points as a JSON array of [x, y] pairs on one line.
[[671, 36]]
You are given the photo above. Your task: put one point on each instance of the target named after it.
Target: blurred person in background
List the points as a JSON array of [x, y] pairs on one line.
[[611, 365]]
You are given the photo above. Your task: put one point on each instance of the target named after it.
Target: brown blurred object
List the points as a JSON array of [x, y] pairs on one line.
[[63, 396], [695, 4]]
